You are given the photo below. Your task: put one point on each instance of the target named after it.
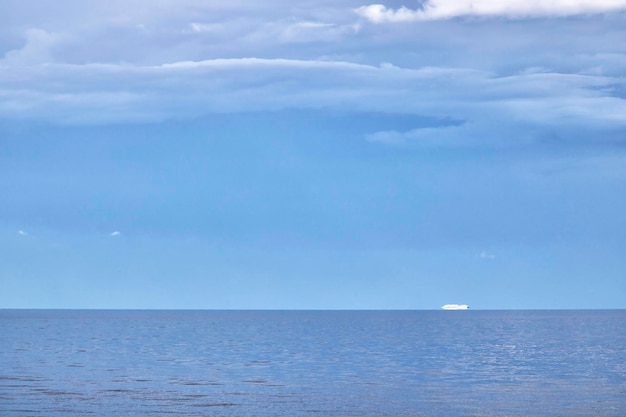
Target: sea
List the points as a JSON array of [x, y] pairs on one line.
[[113, 363]]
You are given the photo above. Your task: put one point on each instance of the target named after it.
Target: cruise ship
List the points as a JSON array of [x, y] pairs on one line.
[[455, 307]]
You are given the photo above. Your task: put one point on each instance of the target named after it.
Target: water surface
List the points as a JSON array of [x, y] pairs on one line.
[[312, 363]]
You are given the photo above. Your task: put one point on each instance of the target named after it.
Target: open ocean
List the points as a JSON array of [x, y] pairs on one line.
[[312, 363]]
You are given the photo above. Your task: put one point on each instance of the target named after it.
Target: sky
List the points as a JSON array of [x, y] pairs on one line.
[[316, 154]]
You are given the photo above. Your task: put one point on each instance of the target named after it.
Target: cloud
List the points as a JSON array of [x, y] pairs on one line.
[[487, 108], [196, 27], [306, 31], [478, 131], [453, 134], [114, 234], [574, 169], [497, 81], [170, 31], [167, 30], [22, 233], [448, 9], [486, 255], [427, 136], [37, 48]]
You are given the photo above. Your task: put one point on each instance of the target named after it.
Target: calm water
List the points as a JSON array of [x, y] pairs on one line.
[[308, 363]]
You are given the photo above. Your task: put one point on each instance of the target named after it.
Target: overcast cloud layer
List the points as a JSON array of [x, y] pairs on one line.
[[121, 62]]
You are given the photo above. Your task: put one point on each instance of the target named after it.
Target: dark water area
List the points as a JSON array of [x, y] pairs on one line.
[[312, 363]]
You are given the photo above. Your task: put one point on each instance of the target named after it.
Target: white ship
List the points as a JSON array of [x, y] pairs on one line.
[[455, 307]]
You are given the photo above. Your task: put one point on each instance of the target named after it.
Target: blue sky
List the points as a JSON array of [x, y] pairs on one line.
[[318, 154]]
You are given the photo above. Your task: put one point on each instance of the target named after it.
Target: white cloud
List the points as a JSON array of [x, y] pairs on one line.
[[37, 48], [116, 233], [304, 31], [428, 136], [447, 9], [152, 33], [478, 132], [196, 27], [22, 233], [487, 255]]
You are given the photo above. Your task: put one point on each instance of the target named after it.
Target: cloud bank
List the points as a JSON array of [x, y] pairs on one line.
[[484, 105], [108, 63], [448, 9]]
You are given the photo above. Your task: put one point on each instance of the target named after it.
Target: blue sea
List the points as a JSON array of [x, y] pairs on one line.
[[312, 363]]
